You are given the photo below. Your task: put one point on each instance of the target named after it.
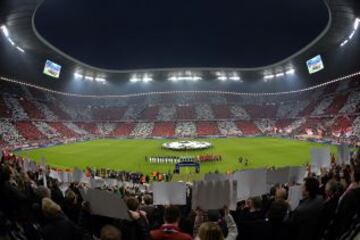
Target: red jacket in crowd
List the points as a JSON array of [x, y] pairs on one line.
[[169, 232]]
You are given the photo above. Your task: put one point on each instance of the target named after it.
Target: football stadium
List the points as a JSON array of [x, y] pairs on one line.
[[180, 120]]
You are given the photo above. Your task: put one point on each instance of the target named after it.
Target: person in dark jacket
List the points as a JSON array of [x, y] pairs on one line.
[[348, 206], [276, 216], [58, 226], [71, 207], [138, 227], [12, 200], [170, 230], [154, 214], [333, 191], [305, 218]]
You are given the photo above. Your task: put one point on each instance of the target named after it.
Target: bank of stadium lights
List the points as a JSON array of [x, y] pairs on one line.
[[20, 49], [279, 74], [270, 76], [184, 76], [98, 79], [144, 78], [90, 78], [356, 26], [5, 30], [6, 33], [78, 75], [222, 76], [290, 72]]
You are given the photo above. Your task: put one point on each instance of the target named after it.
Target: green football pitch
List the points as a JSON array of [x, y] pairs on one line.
[[126, 154]]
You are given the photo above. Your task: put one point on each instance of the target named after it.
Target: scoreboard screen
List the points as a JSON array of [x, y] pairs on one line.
[[52, 69], [315, 64]]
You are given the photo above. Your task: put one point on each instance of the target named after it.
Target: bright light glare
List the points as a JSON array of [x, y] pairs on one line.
[[344, 43], [184, 78], [89, 78], [5, 30], [356, 23], [173, 79], [147, 79], [134, 79], [78, 75], [11, 41], [290, 71], [20, 49], [100, 79], [220, 73], [235, 78], [144, 78], [352, 34], [222, 78], [269, 76], [279, 74]]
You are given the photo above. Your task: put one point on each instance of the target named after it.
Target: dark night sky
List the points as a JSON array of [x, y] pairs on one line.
[[132, 34]]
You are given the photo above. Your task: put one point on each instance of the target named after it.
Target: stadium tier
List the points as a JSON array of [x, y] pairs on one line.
[[330, 112]]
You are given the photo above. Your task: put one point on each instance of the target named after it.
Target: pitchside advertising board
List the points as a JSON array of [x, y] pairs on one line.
[[52, 69], [315, 64]]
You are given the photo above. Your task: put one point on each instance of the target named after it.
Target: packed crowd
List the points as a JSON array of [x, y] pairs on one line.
[[31, 208], [334, 110]]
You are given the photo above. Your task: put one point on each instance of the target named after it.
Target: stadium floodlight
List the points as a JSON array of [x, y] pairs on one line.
[[78, 75], [222, 78], [290, 72], [356, 23], [10, 41], [220, 73], [90, 78], [235, 78], [20, 49], [100, 79], [5, 30], [344, 43], [134, 79], [279, 74], [352, 34], [173, 78], [147, 79], [269, 76]]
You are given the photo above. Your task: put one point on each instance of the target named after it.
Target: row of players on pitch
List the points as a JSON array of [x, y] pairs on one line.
[[175, 159]]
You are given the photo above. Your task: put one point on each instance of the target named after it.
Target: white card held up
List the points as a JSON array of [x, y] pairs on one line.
[[77, 175], [343, 154], [107, 204], [169, 193], [295, 195], [213, 195], [320, 158], [250, 183]]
